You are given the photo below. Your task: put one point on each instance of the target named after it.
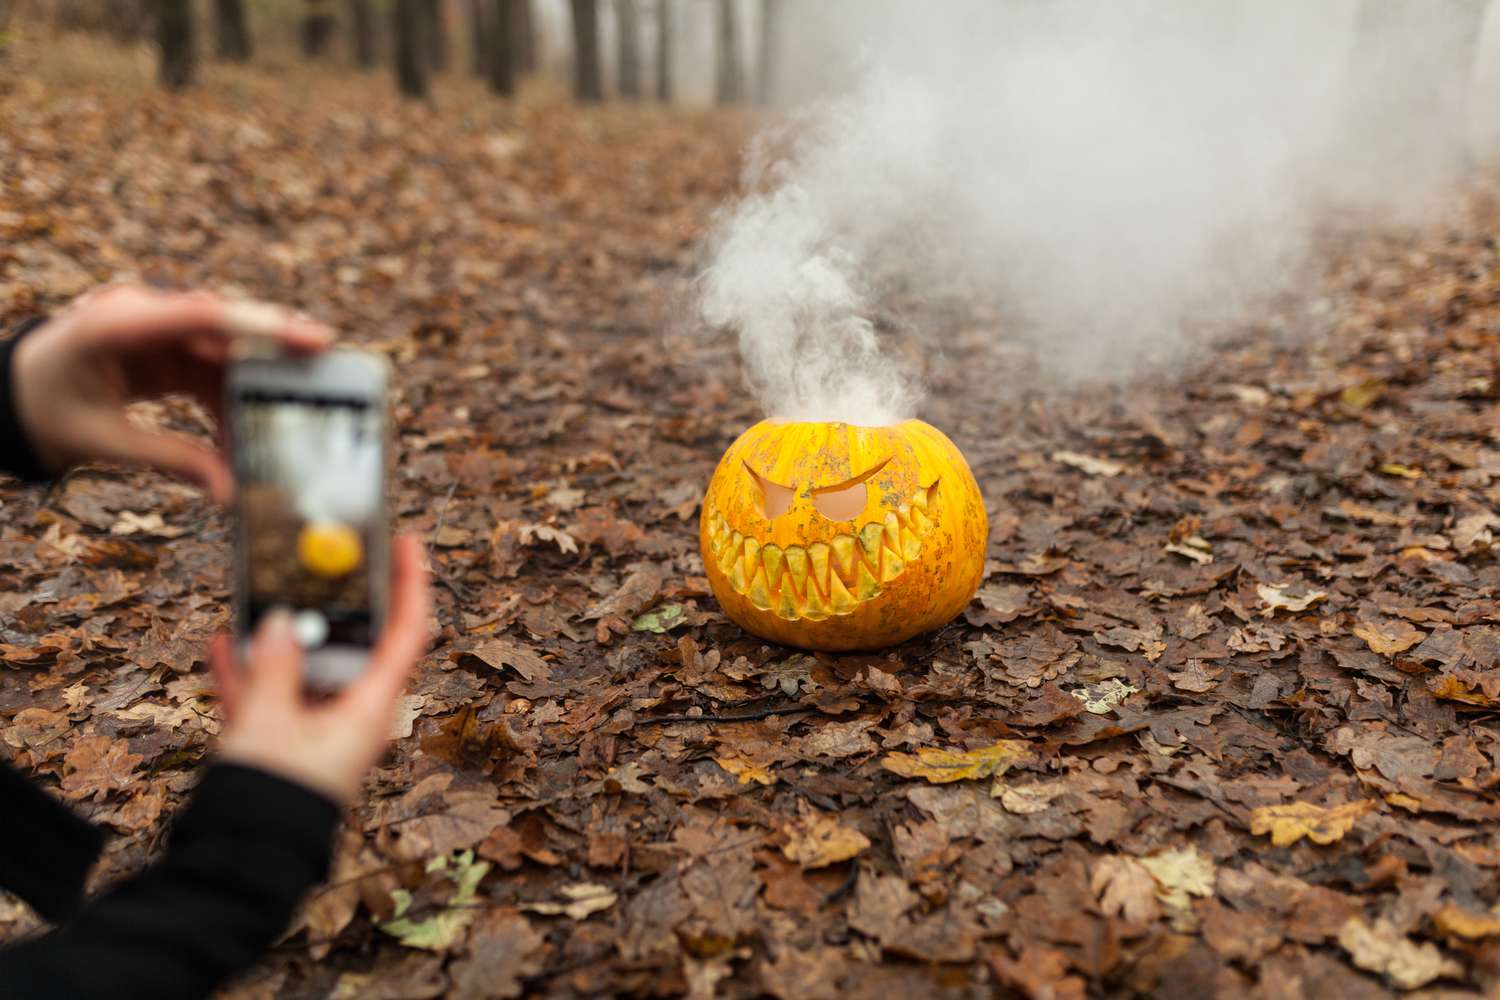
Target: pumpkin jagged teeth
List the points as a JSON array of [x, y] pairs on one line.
[[839, 599], [869, 540], [891, 568], [866, 586], [924, 526], [814, 608], [737, 576], [818, 553], [728, 556], [919, 498], [892, 539], [911, 545], [770, 555], [786, 605], [843, 555], [796, 566], [759, 595], [752, 556]]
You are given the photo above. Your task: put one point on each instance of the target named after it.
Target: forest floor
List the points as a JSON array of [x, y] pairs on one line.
[[1225, 705]]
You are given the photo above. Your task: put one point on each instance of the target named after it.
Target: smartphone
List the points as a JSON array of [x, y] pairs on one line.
[[308, 438]]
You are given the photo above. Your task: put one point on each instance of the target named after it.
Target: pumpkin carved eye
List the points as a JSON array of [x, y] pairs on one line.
[[775, 498], [845, 501]]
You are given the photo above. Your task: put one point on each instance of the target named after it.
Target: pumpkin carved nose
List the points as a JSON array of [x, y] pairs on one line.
[[843, 504]]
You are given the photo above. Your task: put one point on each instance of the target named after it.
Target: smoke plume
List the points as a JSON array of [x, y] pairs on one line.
[[1122, 177]]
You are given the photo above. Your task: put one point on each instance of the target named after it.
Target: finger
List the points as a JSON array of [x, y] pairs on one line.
[[227, 677], [275, 659], [173, 454], [405, 638], [137, 318]]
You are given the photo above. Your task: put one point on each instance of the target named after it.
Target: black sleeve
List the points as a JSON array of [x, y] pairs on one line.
[[16, 456], [242, 853], [45, 850]]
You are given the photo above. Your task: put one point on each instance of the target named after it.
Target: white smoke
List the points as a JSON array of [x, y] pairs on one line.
[[1124, 177]]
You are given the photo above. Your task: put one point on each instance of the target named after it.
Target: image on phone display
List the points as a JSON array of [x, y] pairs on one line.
[[310, 471]]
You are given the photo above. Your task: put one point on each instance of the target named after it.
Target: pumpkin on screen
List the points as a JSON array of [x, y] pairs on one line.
[[839, 537]]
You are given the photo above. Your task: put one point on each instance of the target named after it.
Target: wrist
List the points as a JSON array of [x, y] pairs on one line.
[[299, 769]]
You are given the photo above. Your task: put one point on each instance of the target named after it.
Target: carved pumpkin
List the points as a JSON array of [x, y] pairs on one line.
[[833, 536]]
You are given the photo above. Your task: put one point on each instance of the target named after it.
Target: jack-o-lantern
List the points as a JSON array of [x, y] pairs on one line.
[[833, 536]]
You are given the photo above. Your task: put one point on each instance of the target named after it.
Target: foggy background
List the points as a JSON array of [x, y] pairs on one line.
[[1125, 179]]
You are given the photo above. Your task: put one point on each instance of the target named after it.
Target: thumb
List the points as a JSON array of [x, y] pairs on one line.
[[274, 663], [171, 453]]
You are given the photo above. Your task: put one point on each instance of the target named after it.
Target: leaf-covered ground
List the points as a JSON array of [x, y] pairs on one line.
[[1220, 722]]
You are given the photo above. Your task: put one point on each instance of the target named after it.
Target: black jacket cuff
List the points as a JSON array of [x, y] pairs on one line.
[[241, 802], [16, 454]]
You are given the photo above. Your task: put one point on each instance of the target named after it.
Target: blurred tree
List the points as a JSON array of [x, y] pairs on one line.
[[628, 37], [318, 26], [126, 20], [588, 84], [664, 38], [501, 47], [435, 31], [362, 32], [175, 39], [411, 47], [770, 50], [525, 35], [479, 33], [729, 89], [231, 31]]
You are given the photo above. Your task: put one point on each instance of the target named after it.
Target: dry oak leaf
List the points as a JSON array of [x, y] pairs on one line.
[[1389, 638], [1088, 463], [1277, 598], [1382, 948], [579, 901], [817, 840], [530, 533], [941, 766], [1372, 515], [1458, 922], [1180, 874], [746, 770], [1027, 800], [98, 765], [1126, 888], [1289, 823]]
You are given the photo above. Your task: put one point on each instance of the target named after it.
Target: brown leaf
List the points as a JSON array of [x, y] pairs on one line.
[[503, 949], [1389, 638], [816, 840], [98, 765], [1125, 889]]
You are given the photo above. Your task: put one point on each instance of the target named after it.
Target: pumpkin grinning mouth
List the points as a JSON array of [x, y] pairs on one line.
[[824, 579]]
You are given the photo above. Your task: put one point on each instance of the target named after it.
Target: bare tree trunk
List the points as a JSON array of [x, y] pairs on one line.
[[317, 29], [502, 47], [231, 31], [127, 20], [525, 37], [729, 55], [436, 31], [362, 32], [588, 85], [175, 37], [479, 35], [664, 40], [411, 47], [770, 50], [627, 14]]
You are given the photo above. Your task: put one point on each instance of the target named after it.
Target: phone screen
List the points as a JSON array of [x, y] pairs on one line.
[[311, 476]]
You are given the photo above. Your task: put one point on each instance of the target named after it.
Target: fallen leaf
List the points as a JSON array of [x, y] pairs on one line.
[[98, 765], [442, 930], [579, 901], [1458, 922], [940, 766], [1180, 874], [1277, 599], [1289, 823], [1381, 948], [745, 770], [1126, 888], [817, 840], [1389, 638], [131, 523], [1101, 698], [662, 620], [1088, 463]]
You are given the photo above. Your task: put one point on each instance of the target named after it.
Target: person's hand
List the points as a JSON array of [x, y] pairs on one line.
[[73, 375], [326, 746]]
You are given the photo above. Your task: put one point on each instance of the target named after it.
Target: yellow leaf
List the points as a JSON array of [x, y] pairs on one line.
[[1450, 687], [1404, 801], [746, 771], [1289, 823], [818, 840], [1359, 396], [1404, 471], [1389, 638], [1459, 922], [940, 766], [1180, 874]]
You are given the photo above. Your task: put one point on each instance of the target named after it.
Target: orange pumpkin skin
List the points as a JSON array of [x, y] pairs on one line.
[[829, 571]]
